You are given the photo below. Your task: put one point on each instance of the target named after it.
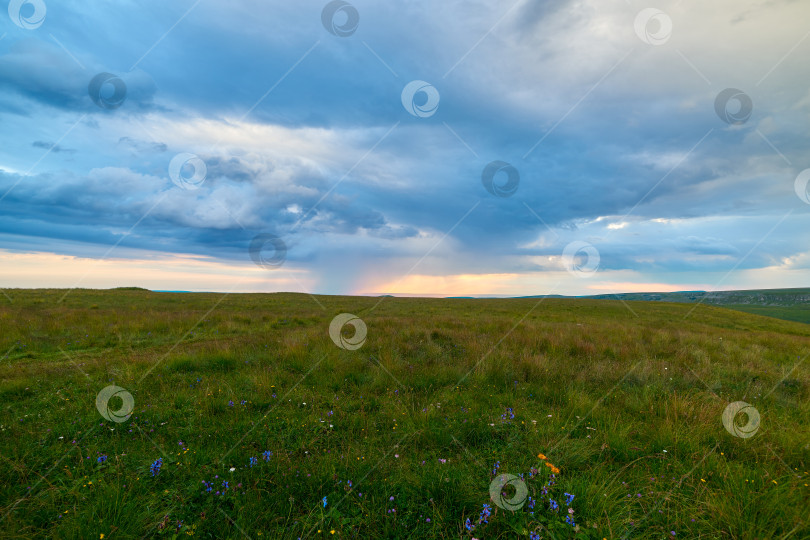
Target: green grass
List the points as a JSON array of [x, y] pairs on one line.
[[625, 399], [787, 304], [798, 313]]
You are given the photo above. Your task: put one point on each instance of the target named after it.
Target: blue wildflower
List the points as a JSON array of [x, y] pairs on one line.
[[266, 455], [102, 459], [570, 521], [324, 502], [253, 461], [155, 467], [552, 504], [485, 513], [568, 498]]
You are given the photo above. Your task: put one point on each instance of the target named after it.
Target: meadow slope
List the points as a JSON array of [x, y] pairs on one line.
[[249, 421]]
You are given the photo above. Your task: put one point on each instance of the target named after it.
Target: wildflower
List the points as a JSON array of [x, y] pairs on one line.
[[324, 502], [155, 467], [230, 403], [570, 521], [226, 485], [253, 461], [568, 499], [552, 504], [242, 402], [542, 456], [266, 455], [102, 459], [485, 513]]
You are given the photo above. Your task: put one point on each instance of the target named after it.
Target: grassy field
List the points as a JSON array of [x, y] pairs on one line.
[[799, 313], [250, 421], [787, 304]]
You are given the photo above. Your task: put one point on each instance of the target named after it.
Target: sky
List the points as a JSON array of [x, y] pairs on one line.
[[427, 147]]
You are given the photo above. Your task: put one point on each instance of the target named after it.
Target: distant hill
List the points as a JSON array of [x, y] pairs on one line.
[[787, 304], [757, 297]]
